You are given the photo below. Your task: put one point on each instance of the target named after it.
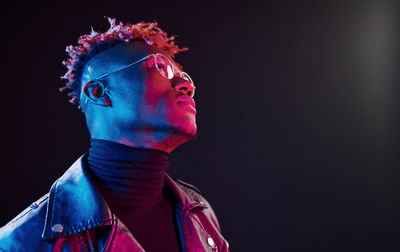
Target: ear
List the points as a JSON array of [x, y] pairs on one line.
[[97, 93]]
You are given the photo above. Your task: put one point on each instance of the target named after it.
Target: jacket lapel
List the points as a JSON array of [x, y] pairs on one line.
[[74, 204]]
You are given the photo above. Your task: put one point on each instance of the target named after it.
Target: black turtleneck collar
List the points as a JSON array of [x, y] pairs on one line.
[[127, 177]]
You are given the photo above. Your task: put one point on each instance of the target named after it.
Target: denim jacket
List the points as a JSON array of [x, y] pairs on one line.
[[73, 216]]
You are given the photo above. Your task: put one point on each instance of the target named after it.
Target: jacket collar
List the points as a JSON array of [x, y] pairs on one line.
[[185, 196], [75, 205]]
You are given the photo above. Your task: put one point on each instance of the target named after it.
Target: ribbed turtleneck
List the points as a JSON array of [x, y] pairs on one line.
[[131, 180], [126, 175]]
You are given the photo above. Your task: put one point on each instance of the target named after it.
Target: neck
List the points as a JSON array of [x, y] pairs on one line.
[[127, 176]]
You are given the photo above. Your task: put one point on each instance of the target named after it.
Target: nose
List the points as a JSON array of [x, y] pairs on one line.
[[184, 86]]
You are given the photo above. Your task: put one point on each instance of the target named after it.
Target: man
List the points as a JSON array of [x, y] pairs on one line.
[[139, 106]]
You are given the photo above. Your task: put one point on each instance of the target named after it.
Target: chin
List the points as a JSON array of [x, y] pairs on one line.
[[183, 123], [188, 129]]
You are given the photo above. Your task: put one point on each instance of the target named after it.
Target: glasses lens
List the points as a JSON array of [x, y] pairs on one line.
[[186, 77], [164, 65]]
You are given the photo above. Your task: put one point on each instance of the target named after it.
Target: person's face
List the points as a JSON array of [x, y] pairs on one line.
[[141, 98]]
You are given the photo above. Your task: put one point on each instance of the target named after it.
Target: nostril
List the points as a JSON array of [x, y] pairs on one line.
[[181, 87], [185, 87]]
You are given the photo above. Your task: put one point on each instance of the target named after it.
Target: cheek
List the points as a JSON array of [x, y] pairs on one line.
[[172, 115], [125, 97], [152, 100], [156, 95]]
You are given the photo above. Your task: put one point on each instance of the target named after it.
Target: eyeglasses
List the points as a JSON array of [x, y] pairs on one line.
[[164, 65]]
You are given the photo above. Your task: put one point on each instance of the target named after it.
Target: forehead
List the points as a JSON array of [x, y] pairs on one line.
[[117, 56]]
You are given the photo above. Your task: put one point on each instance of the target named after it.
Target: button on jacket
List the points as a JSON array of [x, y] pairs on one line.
[[74, 217]]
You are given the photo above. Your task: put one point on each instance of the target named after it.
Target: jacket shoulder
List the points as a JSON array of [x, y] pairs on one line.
[[195, 194], [26, 228], [185, 186]]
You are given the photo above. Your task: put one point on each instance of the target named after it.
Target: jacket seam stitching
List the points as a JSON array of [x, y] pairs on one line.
[[90, 224], [51, 204], [80, 228], [187, 185]]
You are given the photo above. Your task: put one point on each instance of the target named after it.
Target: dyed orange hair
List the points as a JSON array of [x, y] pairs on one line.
[[95, 42]]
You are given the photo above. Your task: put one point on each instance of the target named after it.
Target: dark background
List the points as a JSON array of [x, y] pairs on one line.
[[298, 101]]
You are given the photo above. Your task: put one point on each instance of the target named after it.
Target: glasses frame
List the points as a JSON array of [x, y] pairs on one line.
[[175, 70]]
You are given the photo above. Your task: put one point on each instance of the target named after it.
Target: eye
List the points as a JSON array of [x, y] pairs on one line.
[[165, 70], [161, 63]]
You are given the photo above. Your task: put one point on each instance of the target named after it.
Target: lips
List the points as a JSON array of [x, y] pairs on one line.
[[186, 100]]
